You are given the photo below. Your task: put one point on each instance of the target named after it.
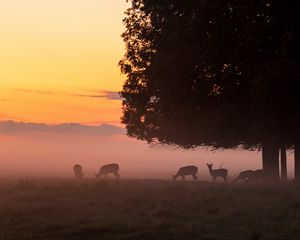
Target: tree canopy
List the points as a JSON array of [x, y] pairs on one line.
[[213, 73]]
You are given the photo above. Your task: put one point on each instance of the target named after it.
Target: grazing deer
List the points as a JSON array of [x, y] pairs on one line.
[[257, 175], [221, 172], [77, 169], [243, 176], [187, 170], [109, 168]]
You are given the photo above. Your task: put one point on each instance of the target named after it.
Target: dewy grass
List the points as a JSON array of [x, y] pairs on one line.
[[147, 209]]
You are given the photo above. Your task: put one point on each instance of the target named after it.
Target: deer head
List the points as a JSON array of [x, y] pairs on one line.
[[209, 166]]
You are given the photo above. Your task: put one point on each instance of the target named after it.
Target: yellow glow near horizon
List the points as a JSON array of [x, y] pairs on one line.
[[55, 51]]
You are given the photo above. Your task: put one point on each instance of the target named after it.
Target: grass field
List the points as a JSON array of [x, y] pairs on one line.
[[147, 209]]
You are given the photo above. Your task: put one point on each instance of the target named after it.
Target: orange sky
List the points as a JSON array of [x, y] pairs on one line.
[[59, 60]]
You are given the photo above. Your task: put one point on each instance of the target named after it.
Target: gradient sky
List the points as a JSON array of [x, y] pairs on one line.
[[59, 60]]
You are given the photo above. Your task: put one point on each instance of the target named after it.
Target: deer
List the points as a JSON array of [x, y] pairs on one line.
[[243, 176], [109, 168], [257, 175], [77, 169], [221, 172], [185, 171]]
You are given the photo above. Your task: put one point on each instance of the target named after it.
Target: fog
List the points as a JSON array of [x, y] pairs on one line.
[[53, 154]]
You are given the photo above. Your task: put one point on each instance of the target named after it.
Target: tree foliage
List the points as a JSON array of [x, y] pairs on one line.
[[213, 73]]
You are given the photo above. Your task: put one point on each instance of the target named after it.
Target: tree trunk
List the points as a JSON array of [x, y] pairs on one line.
[[297, 162], [270, 157], [283, 162]]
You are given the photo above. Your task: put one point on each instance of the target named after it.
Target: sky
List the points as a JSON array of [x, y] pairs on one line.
[[59, 60], [59, 101]]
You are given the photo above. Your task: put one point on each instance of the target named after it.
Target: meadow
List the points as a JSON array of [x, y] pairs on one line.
[[59, 209]]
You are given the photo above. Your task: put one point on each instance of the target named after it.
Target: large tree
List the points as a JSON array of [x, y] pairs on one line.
[[214, 73]]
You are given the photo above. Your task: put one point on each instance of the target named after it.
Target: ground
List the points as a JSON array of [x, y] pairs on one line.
[[147, 209]]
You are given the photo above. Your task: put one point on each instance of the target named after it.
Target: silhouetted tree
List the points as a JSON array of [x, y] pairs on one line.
[[283, 162], [214, 73]]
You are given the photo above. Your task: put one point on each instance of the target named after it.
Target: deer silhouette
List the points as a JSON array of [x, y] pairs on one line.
[[257, 175], [109, 168], [77, 169], [244, 176], [185, 171], [221, 172]]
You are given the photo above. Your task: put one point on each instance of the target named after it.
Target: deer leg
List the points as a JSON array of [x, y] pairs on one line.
[[225, 179], [195, 177], [117, 175], [247, 180], [183, 177]]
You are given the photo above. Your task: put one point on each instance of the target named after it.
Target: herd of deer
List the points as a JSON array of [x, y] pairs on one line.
[[244, 176]]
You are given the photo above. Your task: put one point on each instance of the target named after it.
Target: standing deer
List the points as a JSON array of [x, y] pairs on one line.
[[244, 176], [109, 168], [187, 170], [221, 172], [77, 169]]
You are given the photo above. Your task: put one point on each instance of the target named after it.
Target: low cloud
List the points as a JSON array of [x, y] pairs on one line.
[[12, 127], [108, 95], [34, 91], [112, 95]]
